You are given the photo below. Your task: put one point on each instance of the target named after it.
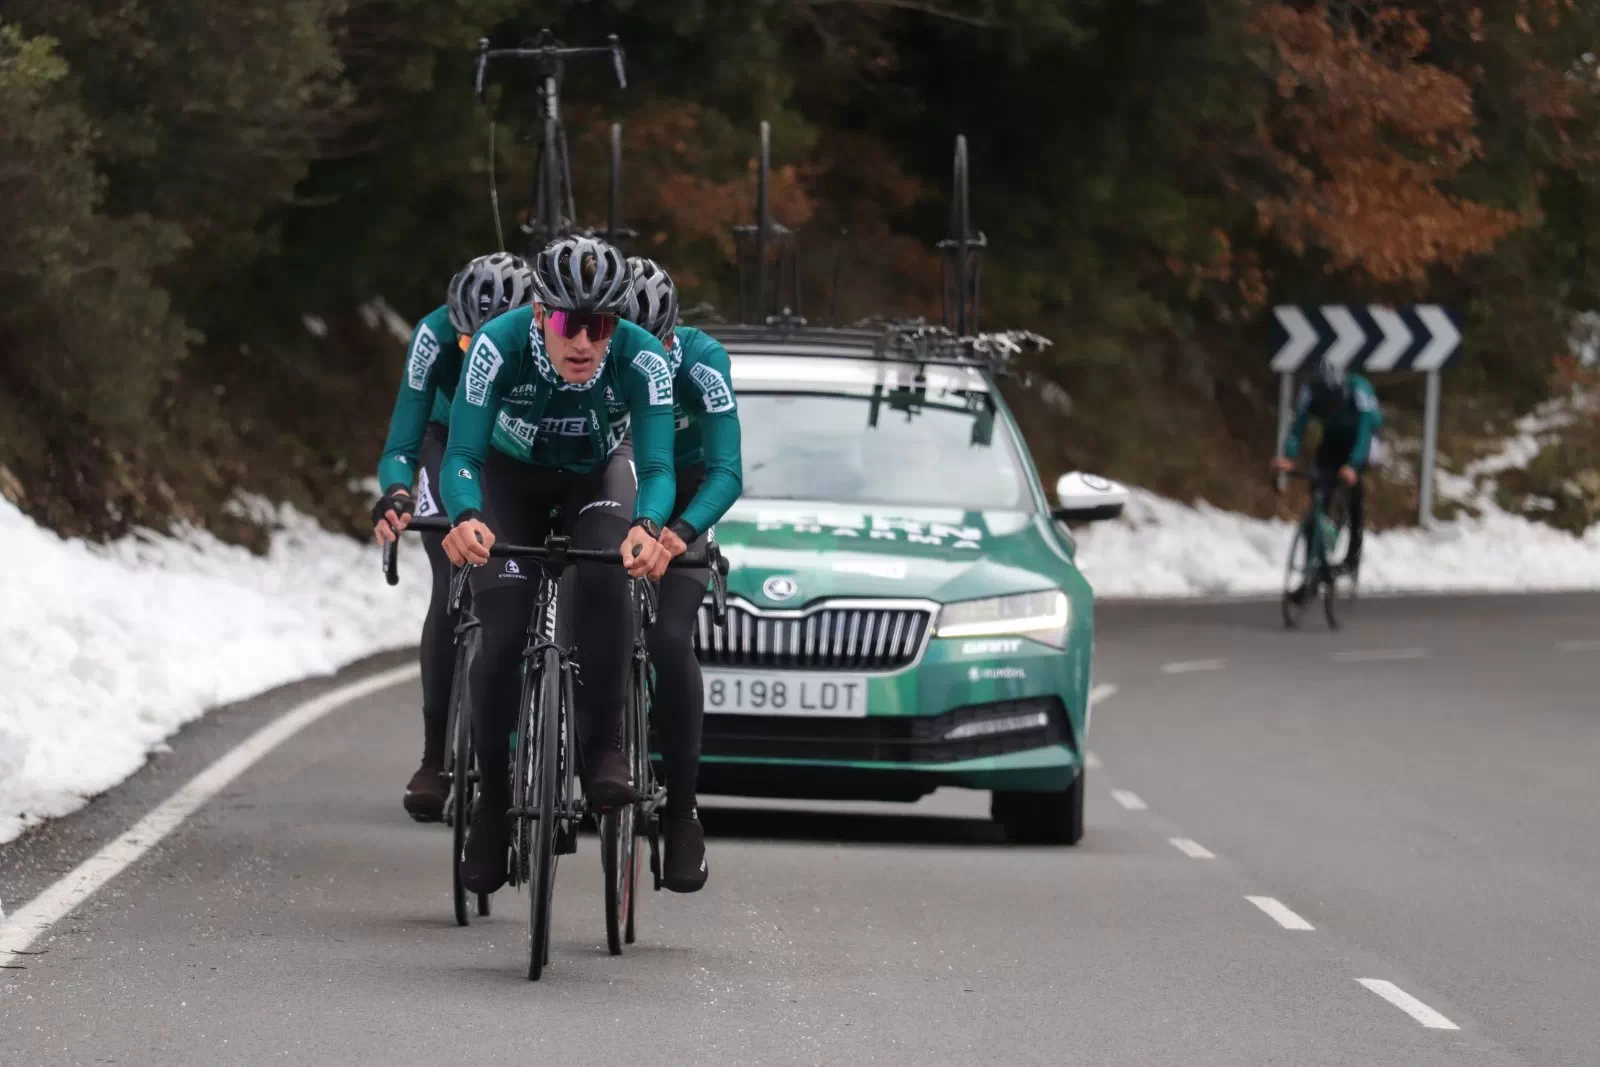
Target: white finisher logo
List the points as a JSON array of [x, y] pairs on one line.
[[657, 375], [714, 387], [481, 371], [424, 353]]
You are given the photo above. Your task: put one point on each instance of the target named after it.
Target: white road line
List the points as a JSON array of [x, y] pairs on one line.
[[1282, 915], [1191, 848], [1408, 1004], [1580, 646], [31, 920], [1380, 655], [1128, 800], [1191, 666], [1092, 761], [1101, 692]]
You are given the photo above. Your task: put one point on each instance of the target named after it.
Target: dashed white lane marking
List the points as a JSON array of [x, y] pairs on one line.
[[1408, 1004], [1280, 914], [1191, 848], [31, 920], [1192, 666], [1105, 691], [1092, 761], [1580, 646], [1380, 655], [1131, 801]]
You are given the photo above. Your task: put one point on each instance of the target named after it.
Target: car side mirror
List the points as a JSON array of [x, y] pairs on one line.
[[1088, 498]]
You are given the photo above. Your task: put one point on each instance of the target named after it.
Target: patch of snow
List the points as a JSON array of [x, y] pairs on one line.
[[377, 312], [108, 649], [1161, 548]]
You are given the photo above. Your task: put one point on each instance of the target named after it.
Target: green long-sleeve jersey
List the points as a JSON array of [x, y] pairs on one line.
[[433, 364], [707, 419], [511, 398], [1350, 429]]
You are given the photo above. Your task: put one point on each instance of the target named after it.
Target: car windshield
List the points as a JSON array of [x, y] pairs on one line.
[[947, 450]]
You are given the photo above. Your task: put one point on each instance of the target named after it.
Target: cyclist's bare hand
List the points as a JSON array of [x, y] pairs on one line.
[[1281, 465], [673, 543], [643, 555], [1347, 474], [469, 542]]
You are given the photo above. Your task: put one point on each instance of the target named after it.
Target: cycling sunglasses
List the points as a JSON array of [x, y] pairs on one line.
[[600, 325]]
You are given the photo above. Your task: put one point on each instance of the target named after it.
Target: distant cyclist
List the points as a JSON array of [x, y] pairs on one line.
[[710, 476], [546, 399], [488, 286], [1347, 408]]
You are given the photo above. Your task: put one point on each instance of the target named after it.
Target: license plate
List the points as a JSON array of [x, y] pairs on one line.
[[800, 693]]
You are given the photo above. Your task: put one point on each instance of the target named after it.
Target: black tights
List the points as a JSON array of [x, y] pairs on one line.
[[679, 705], [597, 615]]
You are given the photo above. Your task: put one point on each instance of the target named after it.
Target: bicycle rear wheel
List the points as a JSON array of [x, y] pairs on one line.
[[619, 829], [463, 784], [543, 775]]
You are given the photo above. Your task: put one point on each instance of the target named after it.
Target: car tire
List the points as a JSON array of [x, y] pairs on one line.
[[1042, 818]]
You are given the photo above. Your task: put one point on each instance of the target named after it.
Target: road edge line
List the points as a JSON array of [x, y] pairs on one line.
[[56, 901]]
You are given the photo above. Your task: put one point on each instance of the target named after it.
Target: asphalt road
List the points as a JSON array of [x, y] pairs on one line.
[[1421, 789]]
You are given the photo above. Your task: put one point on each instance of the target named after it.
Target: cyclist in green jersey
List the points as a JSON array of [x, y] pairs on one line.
[[710, 476], [546, 399], [1347, 407], [488, 286]]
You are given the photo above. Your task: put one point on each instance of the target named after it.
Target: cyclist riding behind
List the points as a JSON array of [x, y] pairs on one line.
[[710, 476], [488, 286], [536, 446], [1347, 407]]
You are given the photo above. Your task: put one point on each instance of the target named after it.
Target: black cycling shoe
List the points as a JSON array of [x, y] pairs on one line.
[[608, 784], [685, 870], [483, 865], [425, 794]]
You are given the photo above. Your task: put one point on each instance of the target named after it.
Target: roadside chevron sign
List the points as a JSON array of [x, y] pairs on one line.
[[1424, 337]]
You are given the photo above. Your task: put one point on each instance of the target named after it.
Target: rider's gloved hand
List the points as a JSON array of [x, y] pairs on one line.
[[469, 541], [391, 514], [1281, 464]]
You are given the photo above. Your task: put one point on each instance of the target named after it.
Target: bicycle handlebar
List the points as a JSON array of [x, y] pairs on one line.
[[547, 56]]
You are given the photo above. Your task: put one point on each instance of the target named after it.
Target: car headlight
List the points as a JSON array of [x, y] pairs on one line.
[[1042, 616]]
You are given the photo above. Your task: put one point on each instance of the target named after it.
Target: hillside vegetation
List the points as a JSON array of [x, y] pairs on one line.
[[204, 203]]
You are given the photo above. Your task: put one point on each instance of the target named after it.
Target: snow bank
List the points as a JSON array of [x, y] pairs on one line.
[[106, 650], [1160, 548]]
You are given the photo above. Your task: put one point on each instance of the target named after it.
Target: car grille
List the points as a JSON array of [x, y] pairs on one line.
[[827, 637], [889, 739]]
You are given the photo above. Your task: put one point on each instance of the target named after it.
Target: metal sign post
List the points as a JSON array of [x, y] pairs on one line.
[[1424, 338]]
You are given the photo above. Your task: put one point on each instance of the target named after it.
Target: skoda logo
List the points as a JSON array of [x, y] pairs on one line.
[[779, 587], [1095, 482]]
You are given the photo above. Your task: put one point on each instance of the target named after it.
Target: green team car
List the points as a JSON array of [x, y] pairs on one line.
[[904, 610]]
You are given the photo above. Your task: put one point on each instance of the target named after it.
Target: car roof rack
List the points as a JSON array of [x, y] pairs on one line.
[[915, 341]]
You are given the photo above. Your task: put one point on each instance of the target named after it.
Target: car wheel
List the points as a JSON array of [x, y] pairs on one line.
[[1042, 818]]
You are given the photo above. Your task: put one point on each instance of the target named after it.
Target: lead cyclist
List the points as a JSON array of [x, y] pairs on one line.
[[486, 287], [538, 444], [710, 476]]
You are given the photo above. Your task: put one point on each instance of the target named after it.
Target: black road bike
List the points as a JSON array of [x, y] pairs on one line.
[[545, 804]]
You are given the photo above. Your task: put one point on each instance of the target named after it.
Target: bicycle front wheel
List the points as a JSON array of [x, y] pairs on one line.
[[1298, 579], [545, 799]]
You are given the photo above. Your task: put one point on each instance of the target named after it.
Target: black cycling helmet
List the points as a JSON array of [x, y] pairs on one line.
[[581, 274], [653, 300], [488, 286], [1329, 382]]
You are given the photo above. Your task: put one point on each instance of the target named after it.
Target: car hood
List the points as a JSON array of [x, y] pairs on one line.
[[831, 550]]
